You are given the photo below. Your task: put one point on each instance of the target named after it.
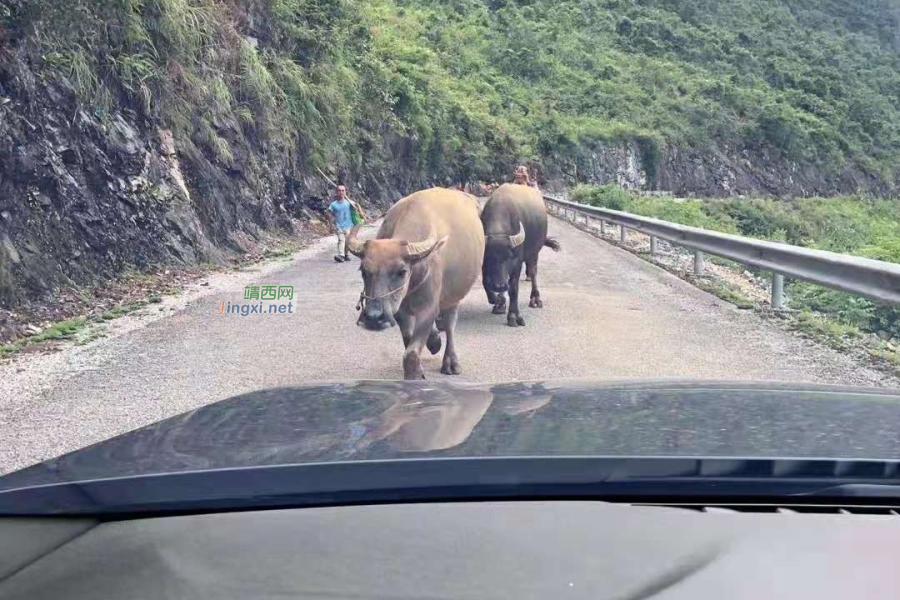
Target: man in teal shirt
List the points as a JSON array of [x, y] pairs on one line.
[[342, 216]]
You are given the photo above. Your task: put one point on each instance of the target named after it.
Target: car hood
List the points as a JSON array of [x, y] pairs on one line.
[[377, 420]]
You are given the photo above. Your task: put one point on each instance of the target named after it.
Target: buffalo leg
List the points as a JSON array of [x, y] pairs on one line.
[[500, 305], [412, 363], [535, 292], [513, 318], [450, 365], [491, 296], [406, 323], [531, 270]]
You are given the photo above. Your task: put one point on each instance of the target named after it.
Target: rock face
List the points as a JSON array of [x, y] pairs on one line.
[[621, 164], [84, 197], [716, 172]]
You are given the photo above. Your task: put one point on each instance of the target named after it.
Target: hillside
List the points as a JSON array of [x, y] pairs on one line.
[[134, 132]]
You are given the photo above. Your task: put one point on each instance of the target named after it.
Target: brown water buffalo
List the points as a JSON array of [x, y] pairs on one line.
[[515, 226], [422, 263]]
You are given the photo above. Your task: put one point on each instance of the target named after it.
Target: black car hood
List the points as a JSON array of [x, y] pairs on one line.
[[376, 420]]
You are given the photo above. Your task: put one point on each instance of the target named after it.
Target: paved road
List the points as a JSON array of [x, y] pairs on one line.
[[607, 315]]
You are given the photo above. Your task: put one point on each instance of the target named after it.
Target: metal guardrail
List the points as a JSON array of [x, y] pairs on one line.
[[874, 279]]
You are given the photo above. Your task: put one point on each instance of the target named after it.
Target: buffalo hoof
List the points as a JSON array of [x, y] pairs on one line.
[[412, 368], [536, 303], [499, 308], [515, 321], [434, 342], [451, 369]]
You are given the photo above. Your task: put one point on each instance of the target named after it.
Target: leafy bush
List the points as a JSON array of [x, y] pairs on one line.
[[611, 196], [684, 212], [848, 308]]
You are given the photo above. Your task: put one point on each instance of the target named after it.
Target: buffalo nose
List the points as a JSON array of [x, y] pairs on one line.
[[374, 311]]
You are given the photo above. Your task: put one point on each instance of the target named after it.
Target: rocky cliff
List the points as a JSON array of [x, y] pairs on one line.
[[84, 197], [718, 172]]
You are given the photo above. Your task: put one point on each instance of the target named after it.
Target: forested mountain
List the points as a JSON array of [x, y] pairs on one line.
[[140, 130]]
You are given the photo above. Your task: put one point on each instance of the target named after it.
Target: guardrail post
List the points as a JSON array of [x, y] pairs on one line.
[[698, 263], [777, 290], [602, 227], [623, 233], [652, 244]]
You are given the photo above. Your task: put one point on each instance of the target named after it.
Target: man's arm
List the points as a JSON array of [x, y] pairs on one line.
[[333, 216]]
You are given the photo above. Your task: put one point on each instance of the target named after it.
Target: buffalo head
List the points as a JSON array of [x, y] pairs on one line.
[[501, 253], [387, 268]]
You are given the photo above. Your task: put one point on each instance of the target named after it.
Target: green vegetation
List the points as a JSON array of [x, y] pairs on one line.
[[81, 330], [886, 353], [857, 225], [470, 86], [686, 212], [814, 324], [725, 292], [62, 330], [122, 310], [279, 254]]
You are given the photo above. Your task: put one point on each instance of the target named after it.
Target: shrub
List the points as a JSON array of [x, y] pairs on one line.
[[610, 196]]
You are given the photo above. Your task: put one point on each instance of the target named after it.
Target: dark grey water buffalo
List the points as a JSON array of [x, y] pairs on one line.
[[422, 263], [515, 227]]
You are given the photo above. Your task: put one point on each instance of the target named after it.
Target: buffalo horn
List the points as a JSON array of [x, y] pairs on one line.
[[354, 245], [517, 240], [420, 250]]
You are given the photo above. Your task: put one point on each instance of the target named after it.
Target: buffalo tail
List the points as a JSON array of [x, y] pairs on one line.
[[553, 244]]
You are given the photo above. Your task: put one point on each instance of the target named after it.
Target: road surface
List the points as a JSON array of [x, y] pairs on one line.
[[607, 315]]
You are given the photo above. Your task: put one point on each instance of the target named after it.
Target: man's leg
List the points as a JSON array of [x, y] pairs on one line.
[[346, 248], [341, 245]]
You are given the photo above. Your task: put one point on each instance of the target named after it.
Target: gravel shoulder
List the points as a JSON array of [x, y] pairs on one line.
[[608, 315]]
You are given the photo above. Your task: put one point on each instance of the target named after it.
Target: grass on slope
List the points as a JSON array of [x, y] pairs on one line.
[[465, 88]]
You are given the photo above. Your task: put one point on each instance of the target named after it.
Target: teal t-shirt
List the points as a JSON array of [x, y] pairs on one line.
[[342, 215]]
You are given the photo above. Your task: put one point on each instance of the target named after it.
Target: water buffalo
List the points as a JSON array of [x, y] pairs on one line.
[[515, 226], [422, 263]]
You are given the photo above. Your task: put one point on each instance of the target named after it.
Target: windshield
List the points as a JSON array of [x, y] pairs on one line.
[[243, 234]]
